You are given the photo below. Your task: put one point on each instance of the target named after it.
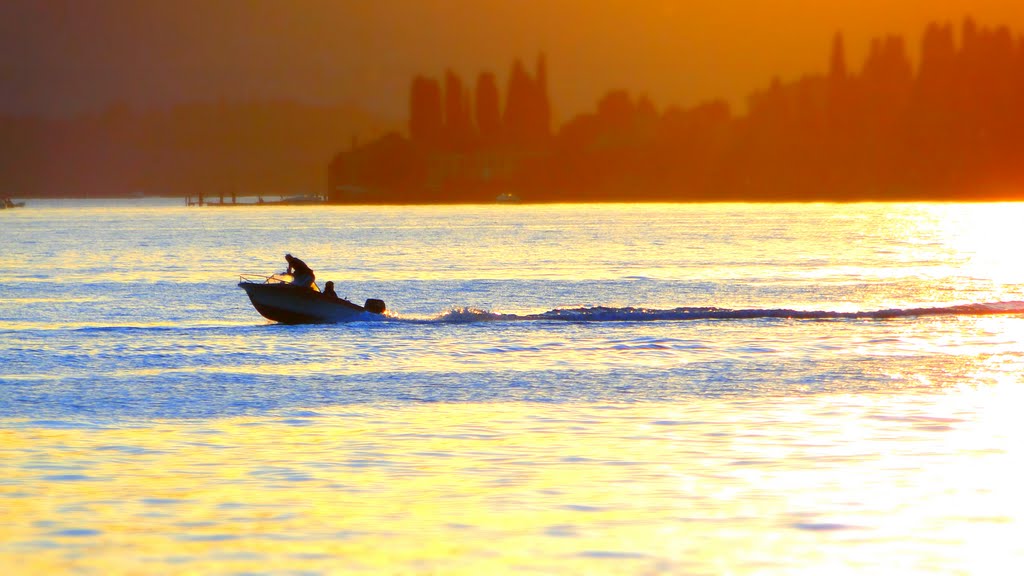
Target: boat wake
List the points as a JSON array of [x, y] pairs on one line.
[[631, 314]]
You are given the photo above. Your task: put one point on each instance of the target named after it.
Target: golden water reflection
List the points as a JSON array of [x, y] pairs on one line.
[[843, 483]]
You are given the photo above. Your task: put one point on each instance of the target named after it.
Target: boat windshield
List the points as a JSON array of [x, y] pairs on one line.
[[287, 279]]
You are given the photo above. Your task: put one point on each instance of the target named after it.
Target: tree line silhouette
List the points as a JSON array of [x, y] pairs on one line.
[[950, 128], [946, 125]]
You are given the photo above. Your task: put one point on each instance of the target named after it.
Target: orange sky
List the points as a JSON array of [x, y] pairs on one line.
[[68, 55]]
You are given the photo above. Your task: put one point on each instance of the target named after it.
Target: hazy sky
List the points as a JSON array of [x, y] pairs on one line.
[[64, 56]]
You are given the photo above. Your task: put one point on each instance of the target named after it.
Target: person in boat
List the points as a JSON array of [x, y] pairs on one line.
[[302, 275], [329, 289]]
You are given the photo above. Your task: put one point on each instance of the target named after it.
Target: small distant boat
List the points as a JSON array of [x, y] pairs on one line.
[[507, 198], [8, 203], [277, 299], [300, 200]]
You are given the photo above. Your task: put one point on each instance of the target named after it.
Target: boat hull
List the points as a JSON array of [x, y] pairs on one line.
[[290, 304]]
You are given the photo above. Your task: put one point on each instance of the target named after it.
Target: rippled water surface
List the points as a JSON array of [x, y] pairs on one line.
[[555, 389]]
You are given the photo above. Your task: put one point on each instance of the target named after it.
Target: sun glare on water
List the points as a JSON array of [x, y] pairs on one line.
[[988, 238]]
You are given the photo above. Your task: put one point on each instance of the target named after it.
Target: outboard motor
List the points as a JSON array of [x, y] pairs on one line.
[[374, 305]]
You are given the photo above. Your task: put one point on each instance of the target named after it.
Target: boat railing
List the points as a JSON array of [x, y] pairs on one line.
[[259, 279]]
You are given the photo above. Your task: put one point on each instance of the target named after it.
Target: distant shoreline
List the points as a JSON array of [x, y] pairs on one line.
[[985, 199]]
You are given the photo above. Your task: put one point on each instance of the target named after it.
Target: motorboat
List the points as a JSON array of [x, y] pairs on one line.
[[277, 298]]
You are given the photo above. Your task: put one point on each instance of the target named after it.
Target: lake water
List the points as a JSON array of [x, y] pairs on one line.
[[565, 389]]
